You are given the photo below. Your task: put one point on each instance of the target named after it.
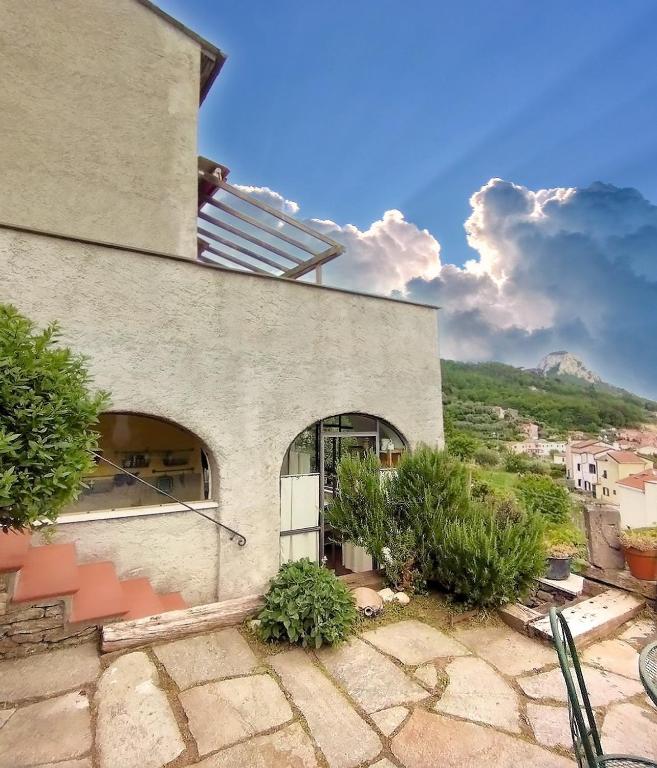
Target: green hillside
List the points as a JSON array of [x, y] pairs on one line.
[[558, 404]]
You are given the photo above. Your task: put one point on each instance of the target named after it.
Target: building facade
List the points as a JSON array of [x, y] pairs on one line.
[[581, 467], [614, 466], [213, 373], [637, 500]]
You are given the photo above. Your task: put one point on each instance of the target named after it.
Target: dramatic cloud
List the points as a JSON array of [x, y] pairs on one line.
[[565, 268]]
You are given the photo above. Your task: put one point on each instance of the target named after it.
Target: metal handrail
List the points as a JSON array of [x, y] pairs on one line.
[[241, 539]]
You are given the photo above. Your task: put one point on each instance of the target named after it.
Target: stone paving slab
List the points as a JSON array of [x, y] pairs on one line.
[[477, 692], [388, 720], [46, 732], [287, 748], [370, 678], [340, 732], [604, 687], [615, 656], [428, 741], [135, 725], [45, 674], [639, 632], [413, 642], [85, 762], [225, 712], [203, 658], [631, 730], [427, 675], [507, 650], [5, 714], [385, 763], [551, 725]]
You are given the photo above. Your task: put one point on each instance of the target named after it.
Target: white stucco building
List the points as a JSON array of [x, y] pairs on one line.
[[234, 385], [637, 500], [581, 467]]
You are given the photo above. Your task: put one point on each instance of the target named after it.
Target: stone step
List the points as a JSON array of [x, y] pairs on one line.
[[100, 596], [141, 598], [47, 571], [593, 618], [13, 550]]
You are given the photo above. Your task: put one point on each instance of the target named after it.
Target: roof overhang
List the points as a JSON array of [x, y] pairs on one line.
[[212, 58]]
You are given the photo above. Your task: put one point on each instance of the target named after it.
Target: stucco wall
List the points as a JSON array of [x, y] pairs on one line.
[[244, 362], [177, 551], [99, 104]]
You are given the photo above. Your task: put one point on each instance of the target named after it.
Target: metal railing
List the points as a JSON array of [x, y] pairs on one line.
[[241, 539]]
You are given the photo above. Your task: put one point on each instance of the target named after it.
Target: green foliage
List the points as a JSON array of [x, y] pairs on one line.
[[541, 494], [307, 604], [565, 540], [560, 404], [486, 457], [46, 417], [420, 523], [516, 462], [462, 445], [492, 556]]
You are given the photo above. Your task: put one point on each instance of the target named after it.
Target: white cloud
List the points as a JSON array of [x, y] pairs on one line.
[[272, 198]]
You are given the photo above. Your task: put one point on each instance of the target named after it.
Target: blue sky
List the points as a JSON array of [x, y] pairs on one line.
[[353, 108], [497, 158]]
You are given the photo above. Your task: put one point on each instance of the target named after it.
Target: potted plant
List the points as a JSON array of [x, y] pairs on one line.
[[560, 558], [564, 543], [640, 550]]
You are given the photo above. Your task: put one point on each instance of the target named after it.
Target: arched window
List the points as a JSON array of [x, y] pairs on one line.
[[165, 455], [309, 481]]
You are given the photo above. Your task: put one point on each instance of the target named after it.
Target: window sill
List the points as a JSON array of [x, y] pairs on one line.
[[121, 514]]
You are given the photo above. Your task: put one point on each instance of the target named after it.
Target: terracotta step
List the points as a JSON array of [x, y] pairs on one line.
[[100, 595], [47, 571], [13, 549], [141, 599], [173, 601]]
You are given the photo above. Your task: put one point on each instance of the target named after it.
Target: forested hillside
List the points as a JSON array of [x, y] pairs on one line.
[[559, 404]]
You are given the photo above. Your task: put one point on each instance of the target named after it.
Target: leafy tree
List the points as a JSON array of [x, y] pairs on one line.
[[47, 413], [541, 494], [462, 445], [486, 457]]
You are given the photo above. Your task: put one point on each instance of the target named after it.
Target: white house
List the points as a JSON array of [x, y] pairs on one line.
[[637, 500], [581, 468], [539, 448]]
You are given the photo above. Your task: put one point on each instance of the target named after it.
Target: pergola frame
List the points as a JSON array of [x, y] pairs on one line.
[[271, 256]]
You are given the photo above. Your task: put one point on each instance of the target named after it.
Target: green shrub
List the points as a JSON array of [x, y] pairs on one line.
[[540, 493], [306, 603], [515, 462], [462, 445], [421, 524], [565, 540], [491, 556], [486, 457], [47, 413]]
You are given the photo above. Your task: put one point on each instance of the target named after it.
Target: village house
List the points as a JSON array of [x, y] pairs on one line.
[[614, 466], [539, 448], [530, 429], [581, 467], [637, 500], [236, 381]]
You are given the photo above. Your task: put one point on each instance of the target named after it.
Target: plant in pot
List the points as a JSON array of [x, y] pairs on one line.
[[640, 550], [565, 543]]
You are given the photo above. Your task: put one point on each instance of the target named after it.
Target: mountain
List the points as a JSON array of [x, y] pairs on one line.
[[565, 364], [558, 402]]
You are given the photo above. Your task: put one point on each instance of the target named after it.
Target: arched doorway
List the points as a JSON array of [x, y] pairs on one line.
[[309, 481], [165, 455]]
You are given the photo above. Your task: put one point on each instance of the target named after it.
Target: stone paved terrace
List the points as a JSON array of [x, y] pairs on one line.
[[404, 694]]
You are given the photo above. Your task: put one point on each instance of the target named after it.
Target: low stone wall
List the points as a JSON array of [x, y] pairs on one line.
[[35, 627]]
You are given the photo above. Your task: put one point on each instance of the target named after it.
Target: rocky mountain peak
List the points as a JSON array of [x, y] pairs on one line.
[[564, 363]]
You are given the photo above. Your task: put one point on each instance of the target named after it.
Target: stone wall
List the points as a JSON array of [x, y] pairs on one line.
[[34, 627]]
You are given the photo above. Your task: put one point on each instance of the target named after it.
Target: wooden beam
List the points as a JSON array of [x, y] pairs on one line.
[[322, 258], [251, 238], [259, 224], [175, 624], [263, 206], [241, 249], [232, 259]]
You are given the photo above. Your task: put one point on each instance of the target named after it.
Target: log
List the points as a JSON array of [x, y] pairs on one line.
[[175, 624], [372, 579]]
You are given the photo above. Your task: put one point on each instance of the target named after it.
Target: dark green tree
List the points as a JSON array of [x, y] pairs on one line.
[[47, 415]]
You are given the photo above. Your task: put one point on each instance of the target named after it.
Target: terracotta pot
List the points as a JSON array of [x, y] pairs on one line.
[[558, 568], [642, 565]]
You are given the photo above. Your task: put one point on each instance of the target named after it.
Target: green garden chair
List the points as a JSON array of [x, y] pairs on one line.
[[586, 739]]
